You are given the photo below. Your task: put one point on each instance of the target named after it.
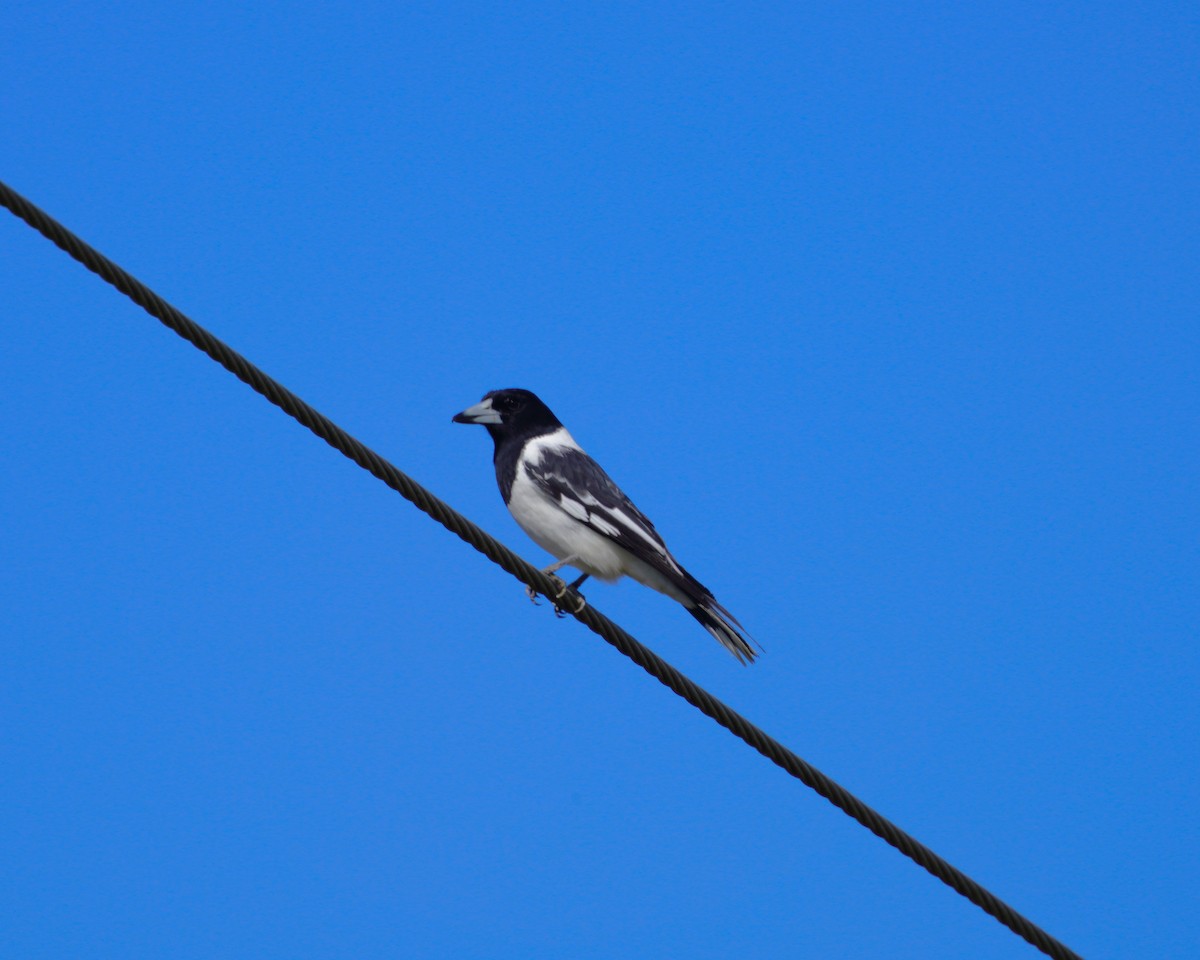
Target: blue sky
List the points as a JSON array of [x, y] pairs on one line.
[[887, 315]]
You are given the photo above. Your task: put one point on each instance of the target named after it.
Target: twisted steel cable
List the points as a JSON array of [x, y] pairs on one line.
[[595, 621]]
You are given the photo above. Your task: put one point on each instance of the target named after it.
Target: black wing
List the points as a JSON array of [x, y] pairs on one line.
[[579, 485]]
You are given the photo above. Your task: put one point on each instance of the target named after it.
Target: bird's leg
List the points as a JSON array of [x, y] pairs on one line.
[[560, 612], [550, 572], [573, 585], [564, 562]]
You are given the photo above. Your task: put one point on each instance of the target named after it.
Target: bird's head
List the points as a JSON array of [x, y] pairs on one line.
[[510, 412]]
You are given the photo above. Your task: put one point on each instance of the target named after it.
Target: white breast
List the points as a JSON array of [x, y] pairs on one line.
[[556, 531]]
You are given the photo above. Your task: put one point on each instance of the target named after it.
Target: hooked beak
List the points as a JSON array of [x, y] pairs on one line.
[[482, 412]]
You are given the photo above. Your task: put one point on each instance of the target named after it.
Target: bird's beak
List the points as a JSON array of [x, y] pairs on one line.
[[482, 412]]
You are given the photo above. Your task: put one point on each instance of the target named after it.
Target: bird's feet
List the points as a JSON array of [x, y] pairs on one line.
[[562, 593], [560, 610], [563, 589]]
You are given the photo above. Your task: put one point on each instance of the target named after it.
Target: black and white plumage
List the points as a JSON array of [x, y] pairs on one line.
[[570, 507]]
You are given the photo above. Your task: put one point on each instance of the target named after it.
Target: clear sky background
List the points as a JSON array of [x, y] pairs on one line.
[[886, 314]]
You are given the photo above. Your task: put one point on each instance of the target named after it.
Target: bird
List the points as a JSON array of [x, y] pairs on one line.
[[570, 507]]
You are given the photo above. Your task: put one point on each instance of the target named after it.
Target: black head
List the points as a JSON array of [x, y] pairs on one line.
[[511, 414]]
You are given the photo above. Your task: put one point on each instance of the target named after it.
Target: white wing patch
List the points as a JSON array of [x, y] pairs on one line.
[[581, 505], [606, 528], [628, 524], [574, 508], [585, 493]]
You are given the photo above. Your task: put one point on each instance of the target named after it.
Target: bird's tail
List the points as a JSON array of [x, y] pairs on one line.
[[724, 627]]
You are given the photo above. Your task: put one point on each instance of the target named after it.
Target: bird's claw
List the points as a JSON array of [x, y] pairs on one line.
[[533, 594], [560, 594], [561, 611]]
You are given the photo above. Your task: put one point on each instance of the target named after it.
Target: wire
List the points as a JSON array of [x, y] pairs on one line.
[[595, 621]]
